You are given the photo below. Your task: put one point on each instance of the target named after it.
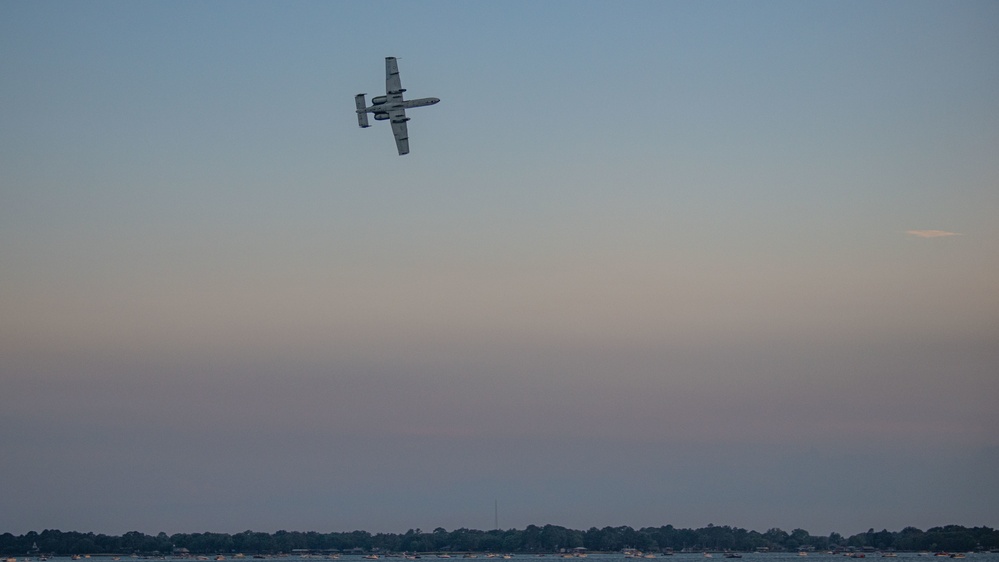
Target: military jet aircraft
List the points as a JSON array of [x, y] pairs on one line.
[[391, 106]]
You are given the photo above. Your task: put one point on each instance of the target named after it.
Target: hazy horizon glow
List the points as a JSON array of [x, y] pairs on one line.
[[678, 263], [931, 233]]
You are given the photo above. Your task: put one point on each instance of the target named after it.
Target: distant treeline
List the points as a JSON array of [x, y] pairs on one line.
[[533, 539]]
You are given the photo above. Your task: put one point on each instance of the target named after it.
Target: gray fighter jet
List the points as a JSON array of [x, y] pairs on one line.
[[391, 106]]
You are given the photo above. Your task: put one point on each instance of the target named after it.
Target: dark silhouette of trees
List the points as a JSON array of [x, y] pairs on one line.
[[548, 538]]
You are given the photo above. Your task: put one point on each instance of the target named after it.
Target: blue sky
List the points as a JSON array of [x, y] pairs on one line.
[[648, 263]]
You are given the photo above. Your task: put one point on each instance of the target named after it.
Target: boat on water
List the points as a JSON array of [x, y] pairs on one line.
[[732, 555]]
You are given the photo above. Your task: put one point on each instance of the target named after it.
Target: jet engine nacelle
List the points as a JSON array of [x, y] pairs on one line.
[[381, 116], [379, 100]]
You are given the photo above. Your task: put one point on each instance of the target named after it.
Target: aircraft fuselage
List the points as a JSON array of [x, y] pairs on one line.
[[400, 103]]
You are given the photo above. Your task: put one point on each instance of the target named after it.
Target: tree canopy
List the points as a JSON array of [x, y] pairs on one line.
[[548, 538]]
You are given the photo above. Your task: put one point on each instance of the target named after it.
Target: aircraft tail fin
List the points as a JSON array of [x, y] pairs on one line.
[[362, 115]]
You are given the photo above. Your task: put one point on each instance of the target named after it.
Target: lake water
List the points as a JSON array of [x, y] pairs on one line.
[[617, 557], [682, 557]]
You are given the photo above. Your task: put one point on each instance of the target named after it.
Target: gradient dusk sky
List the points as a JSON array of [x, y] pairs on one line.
[[648, 263]]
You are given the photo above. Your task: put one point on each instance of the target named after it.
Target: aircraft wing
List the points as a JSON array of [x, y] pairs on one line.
[[401, 132], [392, 83]]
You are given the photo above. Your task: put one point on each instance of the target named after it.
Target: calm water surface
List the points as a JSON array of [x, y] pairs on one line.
[[611, 557], [679, 557]]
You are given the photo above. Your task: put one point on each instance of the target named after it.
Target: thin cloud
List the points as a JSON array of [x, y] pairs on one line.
[[931, 233]]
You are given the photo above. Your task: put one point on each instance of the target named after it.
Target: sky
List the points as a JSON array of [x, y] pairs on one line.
[[647, 263]]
